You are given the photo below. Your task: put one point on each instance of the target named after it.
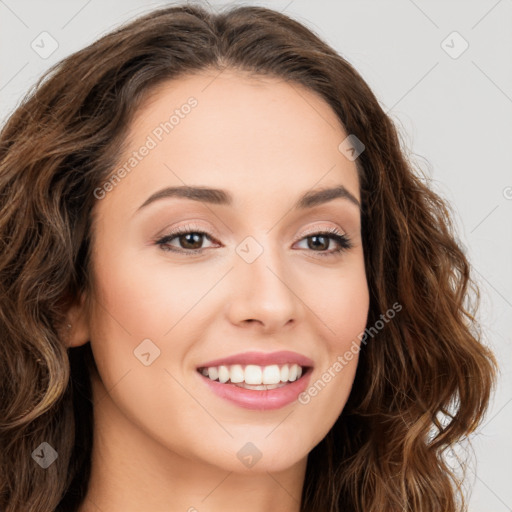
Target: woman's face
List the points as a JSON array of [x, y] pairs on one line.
[[260, 281]]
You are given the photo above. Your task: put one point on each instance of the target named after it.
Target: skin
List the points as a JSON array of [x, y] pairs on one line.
[[162, 439]]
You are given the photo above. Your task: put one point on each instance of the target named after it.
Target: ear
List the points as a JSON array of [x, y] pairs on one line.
[[76, 330]]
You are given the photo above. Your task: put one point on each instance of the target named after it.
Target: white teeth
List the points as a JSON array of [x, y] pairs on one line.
[[254, 376], [271, 374], [285, 371], [236, 373], [213, 372], [223, 374], [261, 387]]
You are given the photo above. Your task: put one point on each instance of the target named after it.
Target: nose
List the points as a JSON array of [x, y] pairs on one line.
[[263, 294]]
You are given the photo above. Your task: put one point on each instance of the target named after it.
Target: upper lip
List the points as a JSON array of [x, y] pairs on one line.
[[261, 359]]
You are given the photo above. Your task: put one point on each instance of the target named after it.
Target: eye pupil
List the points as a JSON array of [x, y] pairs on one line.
[[196, 240], [324, 245]]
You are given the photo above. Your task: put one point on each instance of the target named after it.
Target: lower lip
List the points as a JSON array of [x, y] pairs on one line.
[[263, 399]]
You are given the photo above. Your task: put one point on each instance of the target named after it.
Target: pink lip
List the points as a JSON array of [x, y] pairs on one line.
[[261, 359], [260, 400]]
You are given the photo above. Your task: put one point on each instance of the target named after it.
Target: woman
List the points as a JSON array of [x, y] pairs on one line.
[[145, 370]]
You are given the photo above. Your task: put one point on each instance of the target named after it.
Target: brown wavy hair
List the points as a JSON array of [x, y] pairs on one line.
[[421, 385]]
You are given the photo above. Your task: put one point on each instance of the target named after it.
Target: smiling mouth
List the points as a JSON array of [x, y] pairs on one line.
[[255, 377]]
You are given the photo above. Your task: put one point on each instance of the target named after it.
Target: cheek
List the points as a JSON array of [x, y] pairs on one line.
[[341, 301], [139, 297], [342, 305], [144, 298], [127, 309], [349, 324]]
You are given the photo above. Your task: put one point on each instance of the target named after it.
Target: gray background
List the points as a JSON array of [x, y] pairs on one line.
[[454, 115]]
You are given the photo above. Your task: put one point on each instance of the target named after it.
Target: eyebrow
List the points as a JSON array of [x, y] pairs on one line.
[[223, 197]]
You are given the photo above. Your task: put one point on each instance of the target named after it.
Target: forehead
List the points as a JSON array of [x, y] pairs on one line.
[[253, 135]]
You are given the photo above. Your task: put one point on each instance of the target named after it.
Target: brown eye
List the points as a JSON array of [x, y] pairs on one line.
[[189, 240], [318, 242]]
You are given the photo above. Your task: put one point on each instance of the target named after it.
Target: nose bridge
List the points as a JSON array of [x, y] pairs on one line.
[[264, 293]]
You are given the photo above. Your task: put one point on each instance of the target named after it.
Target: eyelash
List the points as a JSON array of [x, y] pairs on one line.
[[342, 240]]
